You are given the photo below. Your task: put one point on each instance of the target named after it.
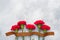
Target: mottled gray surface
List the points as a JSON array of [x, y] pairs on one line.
[[12, 11]]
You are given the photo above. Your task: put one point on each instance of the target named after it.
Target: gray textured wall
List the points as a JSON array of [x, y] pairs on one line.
[[12, 11]]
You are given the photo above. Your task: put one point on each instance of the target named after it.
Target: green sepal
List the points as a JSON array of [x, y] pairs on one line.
[[30, 30], [22, 26], [39, 26], [16, 31], [44, 31]]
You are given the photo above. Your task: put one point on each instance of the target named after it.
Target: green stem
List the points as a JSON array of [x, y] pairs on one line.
[[16, 31], [22, 27], [16, 38], [30, 32], [30, 37], [44, 33], [39, 36], [43, 38], [22, 36], [39, 31]]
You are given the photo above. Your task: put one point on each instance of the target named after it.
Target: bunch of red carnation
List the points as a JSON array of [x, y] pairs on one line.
[[39, 23]]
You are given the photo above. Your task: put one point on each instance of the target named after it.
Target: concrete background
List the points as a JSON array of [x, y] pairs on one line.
[[11, 11]]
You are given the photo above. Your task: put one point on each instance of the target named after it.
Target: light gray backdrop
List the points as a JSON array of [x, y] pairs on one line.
[[12, 11]]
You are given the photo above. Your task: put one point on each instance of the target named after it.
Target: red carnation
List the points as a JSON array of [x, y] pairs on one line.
[[15, 27], [45, 27], [30, 26], [39, 22], [21, 23]]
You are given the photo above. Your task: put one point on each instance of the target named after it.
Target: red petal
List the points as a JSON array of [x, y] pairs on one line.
[[39, 22], [21, 22], [45, 27], [30, 26], [14, 27]]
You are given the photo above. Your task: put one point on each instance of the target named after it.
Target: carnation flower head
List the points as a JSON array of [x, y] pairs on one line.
[[30, 26], [21, 23], [38, 22], [15, 27], [45, 27]]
